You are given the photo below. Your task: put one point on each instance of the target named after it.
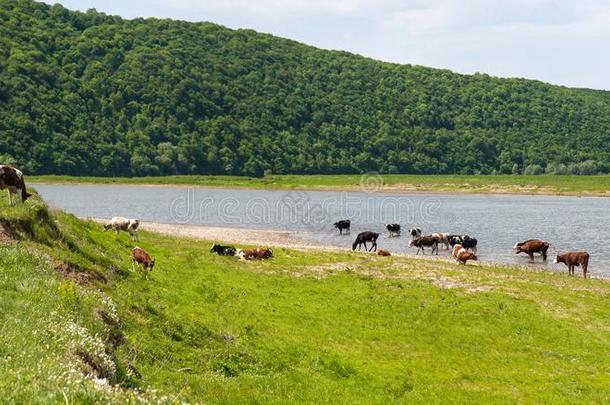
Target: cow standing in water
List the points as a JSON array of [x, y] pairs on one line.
[[11, 179], [532, 246], [342, 225]]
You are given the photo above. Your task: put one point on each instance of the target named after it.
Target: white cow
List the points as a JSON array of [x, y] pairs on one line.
[[124, 224]]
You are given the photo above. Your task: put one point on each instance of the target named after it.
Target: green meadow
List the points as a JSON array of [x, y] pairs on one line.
[[519, 184], [78, 326]]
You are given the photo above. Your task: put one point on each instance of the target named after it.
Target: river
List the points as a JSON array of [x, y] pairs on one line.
[[497, 221]]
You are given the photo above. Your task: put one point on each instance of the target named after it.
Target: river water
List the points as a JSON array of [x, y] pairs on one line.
[[497, 221]]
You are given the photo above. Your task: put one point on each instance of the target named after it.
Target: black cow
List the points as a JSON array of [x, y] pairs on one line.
[[394, 229], [343, 224], [469, 243], [223, 250], [364, 237]]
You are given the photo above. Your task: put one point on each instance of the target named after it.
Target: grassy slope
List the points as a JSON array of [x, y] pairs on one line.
[[303, 326], [594, 185]]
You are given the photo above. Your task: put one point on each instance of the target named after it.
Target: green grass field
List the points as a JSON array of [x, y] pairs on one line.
[[303, 327], [548, 184]]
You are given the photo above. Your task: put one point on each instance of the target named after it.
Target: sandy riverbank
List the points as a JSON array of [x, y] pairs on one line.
[[232, 235]]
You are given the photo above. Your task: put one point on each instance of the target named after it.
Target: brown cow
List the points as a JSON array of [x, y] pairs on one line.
[[573, 259], [382, 252], [532, 246], [463, 256], [251, 254], [425, 241], [139, 256], [457, 249], [11, 179]]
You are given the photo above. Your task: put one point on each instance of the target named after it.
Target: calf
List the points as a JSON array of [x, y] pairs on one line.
[[415, 233], [573, 259], [139, 256], [223, 250], [425, 241], [364, 237], [394, 229], [532, 246], [343, 224], [463, 256], [124, 224], [254, 254], [11, 180], [383, 253]]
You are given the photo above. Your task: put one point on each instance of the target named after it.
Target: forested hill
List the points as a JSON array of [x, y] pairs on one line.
[[87, 93]]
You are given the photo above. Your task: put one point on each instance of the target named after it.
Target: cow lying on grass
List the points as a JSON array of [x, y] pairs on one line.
[[254, 254], [532, 246], [124, 224], [383, 253], [574, 259], [140, 257], [11, 179], [223, 250]]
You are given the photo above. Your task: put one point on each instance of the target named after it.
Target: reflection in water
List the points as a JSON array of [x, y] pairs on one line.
[[498, 221]]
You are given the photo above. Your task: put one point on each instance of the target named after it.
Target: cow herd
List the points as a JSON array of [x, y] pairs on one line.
[[464, 247]]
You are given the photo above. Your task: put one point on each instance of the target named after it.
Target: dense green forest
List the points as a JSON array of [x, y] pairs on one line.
[[92, 94]]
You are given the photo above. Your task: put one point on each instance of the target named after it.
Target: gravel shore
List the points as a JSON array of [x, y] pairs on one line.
[[231, 235]]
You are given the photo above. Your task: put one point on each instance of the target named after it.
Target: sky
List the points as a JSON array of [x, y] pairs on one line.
[[563, 42]]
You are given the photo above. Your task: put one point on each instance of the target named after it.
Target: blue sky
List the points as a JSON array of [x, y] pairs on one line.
[[564, 42]]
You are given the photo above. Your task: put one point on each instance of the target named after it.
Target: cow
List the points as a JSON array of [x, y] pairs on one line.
[[523, 243], [457, 249], [343, 224], [442, 238], [11, 180], [252, 254], [455, 239], [382, 252], [424, 241], [415, 233], [532, 246], [394, 229], [124, 224], [364, 237], [223, 250], [573, 259], [463, 256], [141, 258], [469, 243]]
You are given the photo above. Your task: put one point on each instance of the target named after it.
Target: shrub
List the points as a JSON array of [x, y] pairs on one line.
[[533, 170]]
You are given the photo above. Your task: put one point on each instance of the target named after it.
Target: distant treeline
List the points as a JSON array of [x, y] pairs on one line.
[[91, 94]]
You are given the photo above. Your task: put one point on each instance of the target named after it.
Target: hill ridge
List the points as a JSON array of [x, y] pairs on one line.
[[92, 94]]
